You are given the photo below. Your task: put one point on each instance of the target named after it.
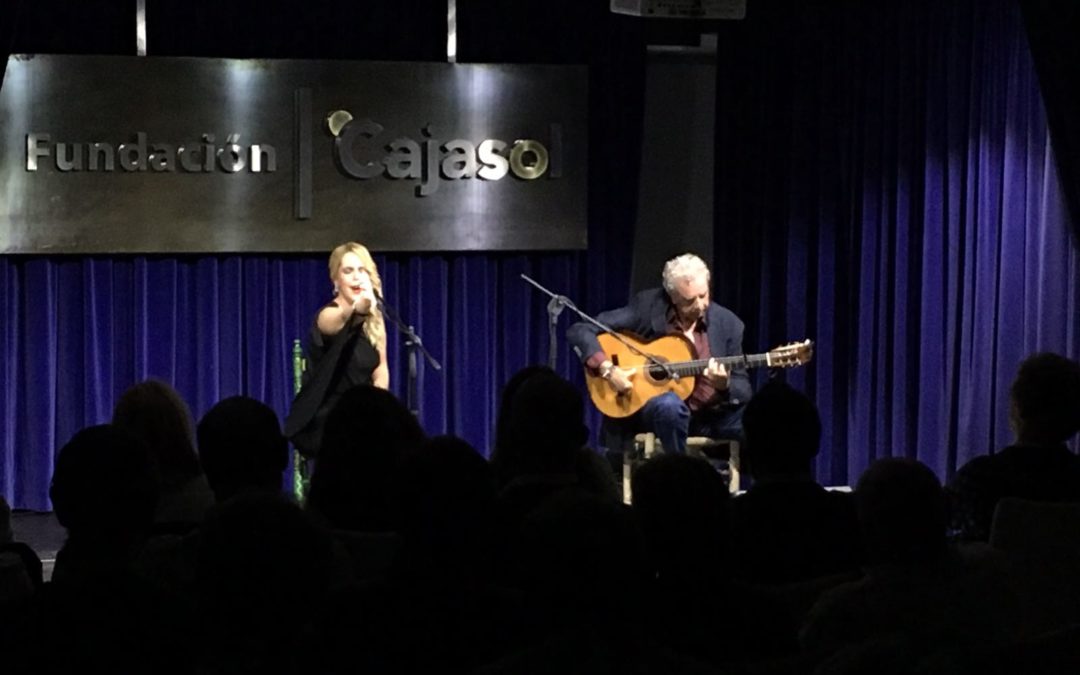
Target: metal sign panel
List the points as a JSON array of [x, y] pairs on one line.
[[139, 155]]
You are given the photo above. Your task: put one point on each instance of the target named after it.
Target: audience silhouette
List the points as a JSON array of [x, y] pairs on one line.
[[1044, 412], [356, 476], [155, 413], [681, 504], [541, 445], [787, 528], [921, 603], [98, 612], [262, 576], [241, 447], [415, 554]]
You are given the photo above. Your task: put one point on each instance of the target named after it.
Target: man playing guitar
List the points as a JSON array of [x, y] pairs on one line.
[[681, 307]]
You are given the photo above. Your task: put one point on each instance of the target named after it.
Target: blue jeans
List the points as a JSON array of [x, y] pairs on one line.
[[669, 418]]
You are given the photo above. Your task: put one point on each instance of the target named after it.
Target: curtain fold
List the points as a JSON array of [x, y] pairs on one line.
[[1052, 26], [886, 174]]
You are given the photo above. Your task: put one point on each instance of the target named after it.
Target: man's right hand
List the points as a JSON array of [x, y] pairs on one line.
[[619, 379]]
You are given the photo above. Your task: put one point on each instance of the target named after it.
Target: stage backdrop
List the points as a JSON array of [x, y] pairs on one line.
[[76, 331], [884, 186]]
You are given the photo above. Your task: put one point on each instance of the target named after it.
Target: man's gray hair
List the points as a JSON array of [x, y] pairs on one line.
[[684, 267]]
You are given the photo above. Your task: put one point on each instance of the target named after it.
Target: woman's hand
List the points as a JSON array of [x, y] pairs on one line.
[[365, 301]]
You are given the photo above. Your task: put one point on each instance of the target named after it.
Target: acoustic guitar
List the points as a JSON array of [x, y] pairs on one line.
[[680, 367]]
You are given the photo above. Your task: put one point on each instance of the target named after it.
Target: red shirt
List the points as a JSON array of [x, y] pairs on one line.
[[704, 392]]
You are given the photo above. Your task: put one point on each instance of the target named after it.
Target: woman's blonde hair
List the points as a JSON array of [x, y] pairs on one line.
[[374, 325]]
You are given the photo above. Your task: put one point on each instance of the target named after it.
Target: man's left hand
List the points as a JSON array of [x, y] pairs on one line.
[[717, 375]]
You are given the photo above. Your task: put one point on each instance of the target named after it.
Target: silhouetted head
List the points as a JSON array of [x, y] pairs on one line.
[[509, 391], [783, 432], [446, 483], [447, 502], [103, 486], [1045, 399], [241, 447], [262, 572], [681, 504], [543, 427], [581, 557], [503, 457], [356, 475], [156, 414], [901, 509]]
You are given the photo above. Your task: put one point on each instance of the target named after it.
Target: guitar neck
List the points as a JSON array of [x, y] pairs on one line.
[[698, 366]]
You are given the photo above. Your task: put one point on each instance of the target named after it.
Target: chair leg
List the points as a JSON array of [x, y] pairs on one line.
[[650, 445], [733, 468], [644, 447]]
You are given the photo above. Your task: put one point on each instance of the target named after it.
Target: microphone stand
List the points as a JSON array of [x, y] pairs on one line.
[[561, 301], [412, 344], [554, 308]]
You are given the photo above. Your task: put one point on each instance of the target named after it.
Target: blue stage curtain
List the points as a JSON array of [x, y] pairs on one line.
[[78, 331], [886, 186]]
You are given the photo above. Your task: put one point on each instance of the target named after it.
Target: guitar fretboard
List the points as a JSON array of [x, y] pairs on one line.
[[698, 366]]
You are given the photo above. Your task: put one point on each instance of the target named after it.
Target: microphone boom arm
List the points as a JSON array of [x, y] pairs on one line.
[[568, 304]]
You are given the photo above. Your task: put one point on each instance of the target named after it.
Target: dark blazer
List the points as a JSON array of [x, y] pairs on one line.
[[646, 317], [327, 361]]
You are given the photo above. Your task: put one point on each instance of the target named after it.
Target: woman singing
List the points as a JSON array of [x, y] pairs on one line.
[[347, 346]]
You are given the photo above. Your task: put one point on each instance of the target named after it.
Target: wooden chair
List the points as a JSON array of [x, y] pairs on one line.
[[647, 444]]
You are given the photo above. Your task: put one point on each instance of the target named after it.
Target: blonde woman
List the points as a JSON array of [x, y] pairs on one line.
[[347, 346]]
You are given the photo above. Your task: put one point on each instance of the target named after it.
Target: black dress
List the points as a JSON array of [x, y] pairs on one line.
[[336, 363]]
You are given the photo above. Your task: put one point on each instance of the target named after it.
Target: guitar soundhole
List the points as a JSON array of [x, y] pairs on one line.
[[657, 373]]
